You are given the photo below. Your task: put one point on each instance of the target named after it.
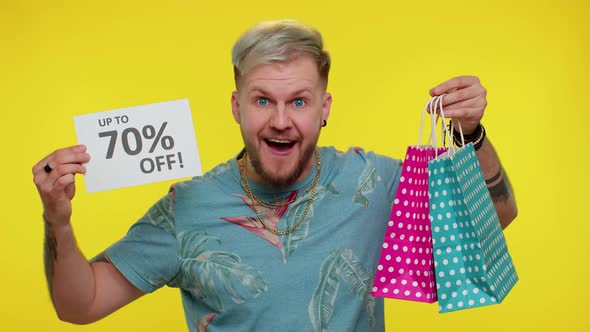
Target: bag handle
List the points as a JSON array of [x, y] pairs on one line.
[[444, 132], [453, 127], [428, 107], [431, 106], [439, 103]]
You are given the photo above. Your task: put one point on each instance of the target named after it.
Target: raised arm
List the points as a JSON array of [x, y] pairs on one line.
[[465, 100], [81, 292]]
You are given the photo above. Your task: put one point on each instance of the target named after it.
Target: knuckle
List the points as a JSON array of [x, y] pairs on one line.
[[65, 180], [460, 95], [61, 181], [37, 181], [44, 190], [60, 156], [60, 169], [57, 158]]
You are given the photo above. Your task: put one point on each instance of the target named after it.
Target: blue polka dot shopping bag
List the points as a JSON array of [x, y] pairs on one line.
[[471, 261], [406, 269]]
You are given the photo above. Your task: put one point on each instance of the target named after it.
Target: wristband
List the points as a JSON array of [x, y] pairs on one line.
[[476, 137]]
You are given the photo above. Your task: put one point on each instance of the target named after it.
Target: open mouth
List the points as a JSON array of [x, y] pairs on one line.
[[279, 145]]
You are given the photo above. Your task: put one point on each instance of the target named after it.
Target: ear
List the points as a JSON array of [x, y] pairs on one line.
[[235, 106], [326, 104]]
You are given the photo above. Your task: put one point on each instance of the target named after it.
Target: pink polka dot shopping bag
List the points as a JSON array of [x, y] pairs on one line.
[[405, 270], [471, 261]]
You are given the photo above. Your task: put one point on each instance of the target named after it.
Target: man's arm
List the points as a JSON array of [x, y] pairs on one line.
[[466, 99], [81, 293], [497, 183]]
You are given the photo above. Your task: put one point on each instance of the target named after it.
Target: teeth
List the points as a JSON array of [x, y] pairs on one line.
[[278, 141]]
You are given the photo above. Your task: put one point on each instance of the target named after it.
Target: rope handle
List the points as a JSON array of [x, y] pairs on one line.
[[438, 101]]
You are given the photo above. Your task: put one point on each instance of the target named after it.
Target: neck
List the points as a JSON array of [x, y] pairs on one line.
[[248, 169]]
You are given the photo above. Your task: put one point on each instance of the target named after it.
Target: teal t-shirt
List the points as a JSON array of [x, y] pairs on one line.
[[234, 275]]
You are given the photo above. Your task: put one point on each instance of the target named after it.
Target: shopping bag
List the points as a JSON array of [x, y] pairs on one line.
[[472, 264], [405, 270]]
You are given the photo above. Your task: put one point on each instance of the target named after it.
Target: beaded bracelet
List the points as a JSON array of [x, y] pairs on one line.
[[476, 137]]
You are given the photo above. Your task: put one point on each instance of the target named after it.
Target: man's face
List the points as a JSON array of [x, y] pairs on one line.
[[280, 108]]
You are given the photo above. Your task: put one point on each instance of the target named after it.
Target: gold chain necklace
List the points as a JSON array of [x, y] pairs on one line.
[[255, 200]]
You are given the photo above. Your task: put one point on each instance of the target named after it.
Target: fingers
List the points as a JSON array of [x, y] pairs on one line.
[[453, 84], [471, 96], [457, 107], [57, 175], [70, 155], [64, 164], [464, 98], [472, 115], [58, 178]]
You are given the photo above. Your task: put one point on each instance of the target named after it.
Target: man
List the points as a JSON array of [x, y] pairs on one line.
[[285, 235]]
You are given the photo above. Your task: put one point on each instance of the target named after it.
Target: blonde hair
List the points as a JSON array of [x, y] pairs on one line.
[[278, 41]]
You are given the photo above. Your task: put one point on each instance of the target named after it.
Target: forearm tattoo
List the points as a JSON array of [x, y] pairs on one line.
[[495, 177], [50, 255], [499, 186]]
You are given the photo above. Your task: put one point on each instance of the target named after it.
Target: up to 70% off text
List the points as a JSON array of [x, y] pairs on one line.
[[132, 142]]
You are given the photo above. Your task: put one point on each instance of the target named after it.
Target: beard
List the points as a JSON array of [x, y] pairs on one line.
[[280, 181]]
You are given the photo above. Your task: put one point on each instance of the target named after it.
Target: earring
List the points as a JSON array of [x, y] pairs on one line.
[[325, 123]]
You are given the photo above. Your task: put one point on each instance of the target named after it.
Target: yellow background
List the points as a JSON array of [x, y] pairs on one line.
[[59, 59]]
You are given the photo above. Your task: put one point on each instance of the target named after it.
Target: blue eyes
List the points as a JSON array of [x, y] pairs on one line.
[[262, 101], [298, 102]]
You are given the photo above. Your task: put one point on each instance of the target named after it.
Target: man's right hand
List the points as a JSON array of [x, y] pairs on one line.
[[55, 183], [82, 293]]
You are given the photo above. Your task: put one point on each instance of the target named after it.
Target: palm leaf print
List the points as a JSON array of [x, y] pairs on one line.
[[253, 225], [321, 305], [331, 188], [359, 282], [340, 265], [217, 273], [366, 184], [370, 307], [162, 214], [204, 322], [290, 241], [272, 217]]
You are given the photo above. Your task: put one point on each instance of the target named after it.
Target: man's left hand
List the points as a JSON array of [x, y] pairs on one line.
[[465, 100]]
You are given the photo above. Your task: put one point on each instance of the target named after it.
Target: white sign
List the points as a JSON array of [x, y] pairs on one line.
[[138, 145]]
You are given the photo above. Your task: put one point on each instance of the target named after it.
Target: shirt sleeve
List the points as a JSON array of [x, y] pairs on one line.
[[147, 255], [389, 170]]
